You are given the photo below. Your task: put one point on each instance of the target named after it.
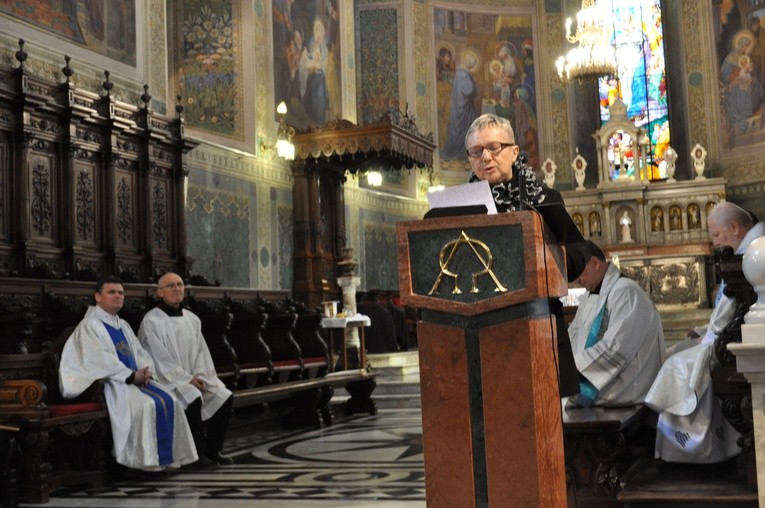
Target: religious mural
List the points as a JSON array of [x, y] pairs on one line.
[[307, 61], [104, 27], [484, 63], [740, 39], [207, 63]]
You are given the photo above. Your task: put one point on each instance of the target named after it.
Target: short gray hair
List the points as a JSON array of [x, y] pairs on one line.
[[490, 120], [726, 212]]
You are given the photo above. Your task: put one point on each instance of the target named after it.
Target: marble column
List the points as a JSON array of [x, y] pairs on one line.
[[349, 285], [750, 353]]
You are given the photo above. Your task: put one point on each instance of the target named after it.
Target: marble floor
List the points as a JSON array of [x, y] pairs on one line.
[[360, 462]]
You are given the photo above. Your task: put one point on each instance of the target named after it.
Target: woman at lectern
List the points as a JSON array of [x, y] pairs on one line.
[[495, 157]]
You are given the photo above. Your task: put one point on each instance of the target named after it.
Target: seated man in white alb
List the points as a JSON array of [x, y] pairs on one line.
[[691, 427], [149, 429], [616, 334], [173, 337]]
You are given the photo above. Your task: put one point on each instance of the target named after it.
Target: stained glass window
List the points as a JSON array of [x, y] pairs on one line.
[[642, 79]]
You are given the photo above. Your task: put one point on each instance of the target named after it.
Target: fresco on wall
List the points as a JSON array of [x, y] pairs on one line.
[[740, 38], [207, 64], [218, 235], [307, 61], [104, 27], [378, 64], [484, 64]]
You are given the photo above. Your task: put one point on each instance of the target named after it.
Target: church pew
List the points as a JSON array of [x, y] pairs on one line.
[[65, 442], [600, 445], [60, 442], [731, 483], [278, 335], [253, 354], [307, 334]]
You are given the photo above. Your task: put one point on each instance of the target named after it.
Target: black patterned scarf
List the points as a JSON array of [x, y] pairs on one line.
[[507, 195]]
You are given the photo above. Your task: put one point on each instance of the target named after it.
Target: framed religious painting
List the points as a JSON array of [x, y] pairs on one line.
[[484, 63], [106, 30], [306, 44], [740, 40]]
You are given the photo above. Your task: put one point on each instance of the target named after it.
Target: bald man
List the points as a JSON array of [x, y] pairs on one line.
[[691, 427], [173, 337]]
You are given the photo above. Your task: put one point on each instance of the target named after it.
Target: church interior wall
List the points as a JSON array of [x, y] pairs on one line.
[[236, 182]]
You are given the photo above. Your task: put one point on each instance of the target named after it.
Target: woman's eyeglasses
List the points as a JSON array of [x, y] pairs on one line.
[[476, 152]]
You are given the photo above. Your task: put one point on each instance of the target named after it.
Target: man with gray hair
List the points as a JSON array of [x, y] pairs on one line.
[[691, 427], [173, 337]]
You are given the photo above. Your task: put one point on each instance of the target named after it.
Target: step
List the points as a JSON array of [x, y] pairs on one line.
[[399, 358], [403, 364], [384, 401], [657, 484]]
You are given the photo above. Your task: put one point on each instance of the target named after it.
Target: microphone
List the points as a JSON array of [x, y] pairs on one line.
[[521, 189]]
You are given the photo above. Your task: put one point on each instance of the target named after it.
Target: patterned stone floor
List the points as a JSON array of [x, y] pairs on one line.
[[363, 461]]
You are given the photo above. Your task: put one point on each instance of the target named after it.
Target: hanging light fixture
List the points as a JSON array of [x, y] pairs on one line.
[[594, 56]]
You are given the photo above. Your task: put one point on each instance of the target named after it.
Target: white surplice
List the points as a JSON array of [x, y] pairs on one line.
[[180, 352], [629, 349], [691, 427], [89, 355]]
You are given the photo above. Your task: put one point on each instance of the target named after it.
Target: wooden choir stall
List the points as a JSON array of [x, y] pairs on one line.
[[491, 412]]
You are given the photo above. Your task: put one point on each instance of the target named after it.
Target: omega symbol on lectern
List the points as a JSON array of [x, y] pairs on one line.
[[446, 256]]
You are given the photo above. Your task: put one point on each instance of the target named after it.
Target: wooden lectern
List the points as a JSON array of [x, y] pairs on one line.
[[491, 412]]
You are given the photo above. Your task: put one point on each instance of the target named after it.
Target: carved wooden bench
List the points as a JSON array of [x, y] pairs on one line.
[[600, 445], [60, 442], [732, 483]]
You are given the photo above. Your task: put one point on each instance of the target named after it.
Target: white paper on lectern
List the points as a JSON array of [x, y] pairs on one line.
[[475, 193]]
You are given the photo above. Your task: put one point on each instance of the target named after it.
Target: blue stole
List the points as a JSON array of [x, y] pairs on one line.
[[587, 391], [162, 401]]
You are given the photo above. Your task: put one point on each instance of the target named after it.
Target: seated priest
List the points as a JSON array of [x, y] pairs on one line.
[[495, 157], [149, 429], [691, 426], [173, 337], [616, 334]]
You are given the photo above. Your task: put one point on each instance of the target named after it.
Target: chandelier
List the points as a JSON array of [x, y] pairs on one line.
[[594, 56]]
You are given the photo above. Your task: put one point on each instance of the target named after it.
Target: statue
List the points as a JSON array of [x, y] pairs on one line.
[[694, 219], [625, 223], [595, 224], [670, 157], [657, 219]]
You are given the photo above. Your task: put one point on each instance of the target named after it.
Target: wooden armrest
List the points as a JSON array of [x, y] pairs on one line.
[[22, 394], [597, 418], [23, 398]]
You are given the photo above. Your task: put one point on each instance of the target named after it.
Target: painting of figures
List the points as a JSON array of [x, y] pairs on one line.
[[484, 63], [105, 27], [740, 37], [307, 61]]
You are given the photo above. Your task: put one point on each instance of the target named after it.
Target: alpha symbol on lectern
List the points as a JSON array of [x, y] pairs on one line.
[[446, 256]]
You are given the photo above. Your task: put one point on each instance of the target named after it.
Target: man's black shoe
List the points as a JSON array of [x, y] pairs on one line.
[[220, 459], [202, 464]]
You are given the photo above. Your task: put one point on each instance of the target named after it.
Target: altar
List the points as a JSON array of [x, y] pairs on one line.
[[342, 323]]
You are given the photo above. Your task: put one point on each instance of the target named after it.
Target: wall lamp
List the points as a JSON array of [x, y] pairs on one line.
[[284, 147], [374, 178]]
